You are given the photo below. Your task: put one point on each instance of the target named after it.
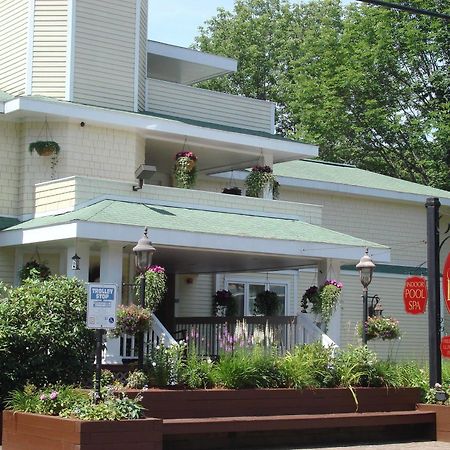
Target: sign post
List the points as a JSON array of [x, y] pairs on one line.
[[101, 316], [415, 295]]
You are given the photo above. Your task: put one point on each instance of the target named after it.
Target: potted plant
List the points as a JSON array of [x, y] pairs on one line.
[[323, 300], [267, 303], [379, 327], [184, 171], [34, 268], [260, 178], [131, 319], [155, 286], [44, 148], [224, 304]]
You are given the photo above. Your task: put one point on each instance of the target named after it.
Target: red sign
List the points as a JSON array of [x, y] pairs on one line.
[[445, 346], [415, 295], [446, 282]]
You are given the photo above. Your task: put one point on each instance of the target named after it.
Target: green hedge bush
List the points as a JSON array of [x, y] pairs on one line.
[[43, 337]]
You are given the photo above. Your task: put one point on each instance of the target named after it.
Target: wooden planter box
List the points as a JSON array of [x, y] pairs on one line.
[[170, 404], [442, 420], [23, 431]]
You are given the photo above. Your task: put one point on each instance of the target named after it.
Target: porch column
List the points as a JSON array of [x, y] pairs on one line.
[[111, 272], [329, 269], [82, 250], [267, 161], [18, 264]]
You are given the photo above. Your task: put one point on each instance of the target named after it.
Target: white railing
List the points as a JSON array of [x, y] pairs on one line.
[[156, 335], [308, 332]]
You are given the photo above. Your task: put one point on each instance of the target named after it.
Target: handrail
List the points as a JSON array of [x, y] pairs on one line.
[[160, 330], [307, 323]]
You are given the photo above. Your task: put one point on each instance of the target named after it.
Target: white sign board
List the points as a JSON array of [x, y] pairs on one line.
[[102, 303]]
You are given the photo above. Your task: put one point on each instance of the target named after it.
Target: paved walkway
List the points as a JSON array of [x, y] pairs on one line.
[[405, 446]]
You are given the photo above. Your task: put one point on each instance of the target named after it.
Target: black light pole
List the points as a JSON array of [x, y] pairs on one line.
[[434, 304], [365, 267], [143, 253]]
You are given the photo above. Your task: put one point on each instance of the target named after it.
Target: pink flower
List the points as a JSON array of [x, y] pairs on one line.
[[53, 395], [42, 397]]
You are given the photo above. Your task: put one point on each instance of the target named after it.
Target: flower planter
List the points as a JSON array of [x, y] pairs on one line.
[[23, 431], [442, 420], [163, 403]]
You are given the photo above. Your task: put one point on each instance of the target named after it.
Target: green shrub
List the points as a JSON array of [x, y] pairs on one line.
[[197, 372], [164, 364], [43, 337], [306, 366], [354, 366], [67, 401], [136, 380]]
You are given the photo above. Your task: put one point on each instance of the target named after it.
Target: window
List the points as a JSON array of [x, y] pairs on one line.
[[246, 292]]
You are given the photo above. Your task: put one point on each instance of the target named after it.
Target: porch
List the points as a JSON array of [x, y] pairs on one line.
[[209, 336]]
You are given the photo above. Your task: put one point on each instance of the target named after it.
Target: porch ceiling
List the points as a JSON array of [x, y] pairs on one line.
[[195, 240]]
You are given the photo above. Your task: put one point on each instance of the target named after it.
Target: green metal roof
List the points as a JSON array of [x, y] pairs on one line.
[[6, 222], [198, 221], [218, 126], [352, 176]]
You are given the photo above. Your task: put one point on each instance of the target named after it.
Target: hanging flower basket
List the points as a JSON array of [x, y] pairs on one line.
[[224, 304], [323, 300], [379, 327], [259, 179], [232, 190], [184, 171], [131, 319], [155, 286], [267, 303], [44, 148], [32, 269]]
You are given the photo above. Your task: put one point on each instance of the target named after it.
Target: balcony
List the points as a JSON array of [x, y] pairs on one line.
[[181, 101]]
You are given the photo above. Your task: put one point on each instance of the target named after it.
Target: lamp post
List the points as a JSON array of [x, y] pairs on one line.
[[365, 267], [143, 253]]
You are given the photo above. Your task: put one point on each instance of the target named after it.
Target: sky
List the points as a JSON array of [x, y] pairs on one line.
[[176, 21]]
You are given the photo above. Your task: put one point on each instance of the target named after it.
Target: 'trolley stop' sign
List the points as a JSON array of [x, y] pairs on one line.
[[415, 295]]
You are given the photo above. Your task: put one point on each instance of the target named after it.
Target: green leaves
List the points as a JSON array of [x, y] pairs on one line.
[[43, 338], [369, 85]]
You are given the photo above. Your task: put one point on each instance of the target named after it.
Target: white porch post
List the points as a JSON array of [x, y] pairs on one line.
[[267, 161], [18, 263], [82, 250], [330, 269], [111, 272]]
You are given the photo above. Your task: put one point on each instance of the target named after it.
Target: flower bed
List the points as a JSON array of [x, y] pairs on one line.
[[166, 403], [25, 431]]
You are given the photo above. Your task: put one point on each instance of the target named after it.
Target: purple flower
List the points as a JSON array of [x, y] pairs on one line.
[[156, 269], [53, 395]]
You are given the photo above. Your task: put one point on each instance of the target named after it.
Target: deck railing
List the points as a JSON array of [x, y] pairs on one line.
[[210, 335]]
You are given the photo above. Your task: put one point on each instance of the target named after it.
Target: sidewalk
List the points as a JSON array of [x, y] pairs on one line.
[[431, 445]]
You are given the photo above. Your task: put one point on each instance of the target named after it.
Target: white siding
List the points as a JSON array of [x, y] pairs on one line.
[[194, 299], [13, 45], [105, 53], [178, 100], [50, 48], [142, 55]]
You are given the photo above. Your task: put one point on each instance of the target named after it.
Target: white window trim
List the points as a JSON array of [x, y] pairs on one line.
[[246, 281]]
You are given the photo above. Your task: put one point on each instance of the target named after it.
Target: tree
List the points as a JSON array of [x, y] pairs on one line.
[[369, 85], [43, 337]]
